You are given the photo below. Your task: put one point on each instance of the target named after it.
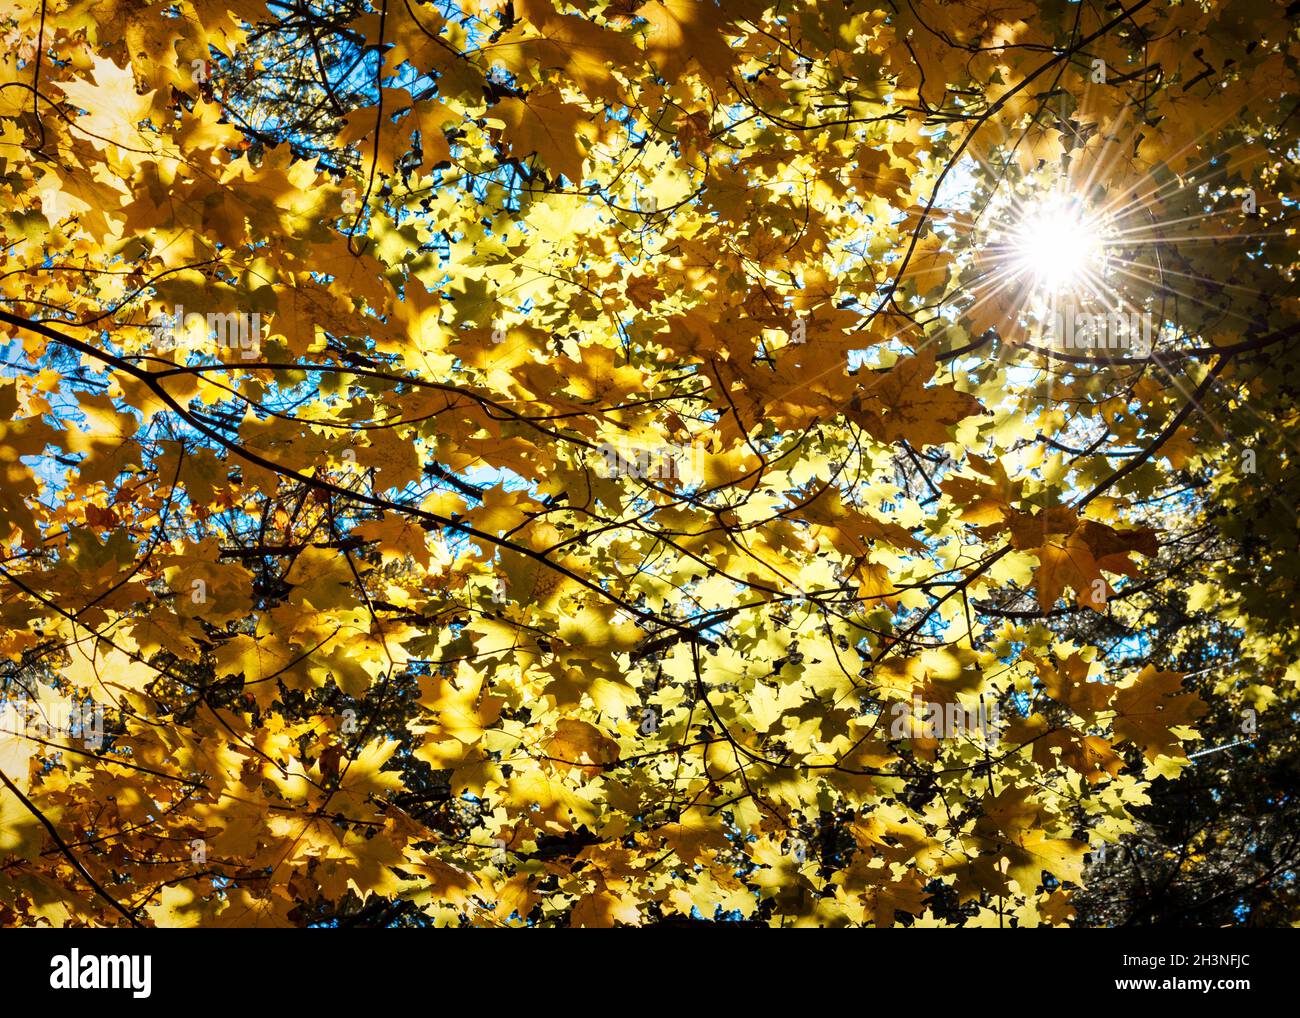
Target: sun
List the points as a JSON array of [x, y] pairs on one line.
[[1058, 245]]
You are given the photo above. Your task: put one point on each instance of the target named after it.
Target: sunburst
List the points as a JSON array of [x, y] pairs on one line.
[[1058, 245]]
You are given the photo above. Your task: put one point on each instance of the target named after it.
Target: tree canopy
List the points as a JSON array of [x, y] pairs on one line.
[[611, 462]]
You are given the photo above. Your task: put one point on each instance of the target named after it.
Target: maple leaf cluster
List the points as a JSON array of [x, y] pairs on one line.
[[330, 333]]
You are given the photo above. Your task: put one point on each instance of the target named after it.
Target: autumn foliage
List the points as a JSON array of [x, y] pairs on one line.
[[567, 463]]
